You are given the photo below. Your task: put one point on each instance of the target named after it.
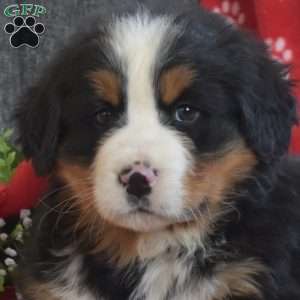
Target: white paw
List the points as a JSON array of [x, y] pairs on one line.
[[279, 50], [232, 12]]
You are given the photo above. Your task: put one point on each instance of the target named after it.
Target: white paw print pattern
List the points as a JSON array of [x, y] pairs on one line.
[[232, 11], [279, 50]]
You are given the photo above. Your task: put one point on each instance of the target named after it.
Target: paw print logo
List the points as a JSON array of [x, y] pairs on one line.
[[24, 32], [279, 50], [232, 11]]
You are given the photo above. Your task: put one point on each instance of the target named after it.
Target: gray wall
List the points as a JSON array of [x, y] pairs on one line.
[[19, 67]]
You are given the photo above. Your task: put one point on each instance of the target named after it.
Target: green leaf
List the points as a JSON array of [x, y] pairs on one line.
[[2, 283], [19, 156], [7, 133], [17, 233], [4, 147], [4, 175], [2, 163], [11, 158]]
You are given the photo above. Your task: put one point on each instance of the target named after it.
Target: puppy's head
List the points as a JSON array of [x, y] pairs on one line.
[[155, 118]]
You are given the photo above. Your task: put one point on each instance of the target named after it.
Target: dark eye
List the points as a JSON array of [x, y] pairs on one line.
[[104, 116], [186, 114]]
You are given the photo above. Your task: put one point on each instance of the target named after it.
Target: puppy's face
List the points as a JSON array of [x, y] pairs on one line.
[[147, 169], [151, 115]]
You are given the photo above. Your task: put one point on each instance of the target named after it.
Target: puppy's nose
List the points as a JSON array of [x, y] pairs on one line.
[[139, 179], [138, 185]]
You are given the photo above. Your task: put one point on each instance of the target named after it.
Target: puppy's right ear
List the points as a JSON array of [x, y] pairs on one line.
[[38, 122]]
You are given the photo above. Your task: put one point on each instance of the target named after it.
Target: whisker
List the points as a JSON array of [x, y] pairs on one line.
[[64, 207]]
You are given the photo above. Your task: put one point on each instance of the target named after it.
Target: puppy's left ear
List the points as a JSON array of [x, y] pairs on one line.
[[268, 108], [38, 122]]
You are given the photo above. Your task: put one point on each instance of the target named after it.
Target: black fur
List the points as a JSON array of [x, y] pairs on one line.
[[241, 92]]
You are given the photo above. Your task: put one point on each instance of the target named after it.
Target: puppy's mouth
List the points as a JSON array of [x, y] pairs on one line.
[[188, 215], [144, 210]]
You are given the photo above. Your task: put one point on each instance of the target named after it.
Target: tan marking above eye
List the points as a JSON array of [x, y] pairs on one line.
[[174, 81], [107, 85]]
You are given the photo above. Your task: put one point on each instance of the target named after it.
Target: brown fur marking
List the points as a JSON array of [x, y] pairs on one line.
[[31, 289], [107, 85], [174, 81], [213, 179], [238, 279], [119, 242]]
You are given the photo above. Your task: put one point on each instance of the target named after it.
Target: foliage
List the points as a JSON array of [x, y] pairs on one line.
[[12, 230], [10, 157], [12, 233]]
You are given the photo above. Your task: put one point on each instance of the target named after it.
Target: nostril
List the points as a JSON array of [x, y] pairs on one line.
[[124, 176], [138, 185], [125, 171], [143, 169]]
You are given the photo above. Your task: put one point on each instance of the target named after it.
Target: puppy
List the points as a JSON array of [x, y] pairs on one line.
[[164, 132]]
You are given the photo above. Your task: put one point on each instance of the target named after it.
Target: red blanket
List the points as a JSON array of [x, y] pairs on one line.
[[278, 23]]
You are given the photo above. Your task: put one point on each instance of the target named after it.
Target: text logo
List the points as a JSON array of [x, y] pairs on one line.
[[24, 30], [15, 10]]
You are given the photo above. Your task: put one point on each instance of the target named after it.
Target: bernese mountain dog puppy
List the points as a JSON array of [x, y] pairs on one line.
[[164, 131]]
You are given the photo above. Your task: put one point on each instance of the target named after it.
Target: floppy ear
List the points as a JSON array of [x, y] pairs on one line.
[[268, 109], [38, 121]]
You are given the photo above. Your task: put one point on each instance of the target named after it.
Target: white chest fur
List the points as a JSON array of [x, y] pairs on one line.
[[177, 278], [173, 276], [72, 290], [177, 275]]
